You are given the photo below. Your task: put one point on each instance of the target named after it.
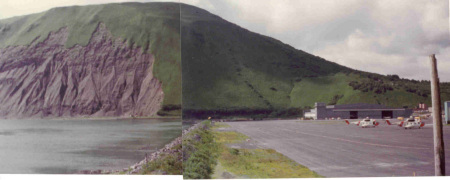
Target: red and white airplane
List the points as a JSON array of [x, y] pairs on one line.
[[365, 123], [409, 123]]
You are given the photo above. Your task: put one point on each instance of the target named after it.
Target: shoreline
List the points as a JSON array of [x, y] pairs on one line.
[[96, 118], [137, 167]]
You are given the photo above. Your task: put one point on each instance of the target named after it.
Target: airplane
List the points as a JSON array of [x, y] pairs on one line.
[[365, 123], [409, 123]]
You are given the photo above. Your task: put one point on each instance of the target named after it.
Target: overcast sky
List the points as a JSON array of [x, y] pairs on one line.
[[381, 36]]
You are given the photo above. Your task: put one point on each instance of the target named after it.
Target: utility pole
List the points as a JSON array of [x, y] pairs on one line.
[[439, 155]]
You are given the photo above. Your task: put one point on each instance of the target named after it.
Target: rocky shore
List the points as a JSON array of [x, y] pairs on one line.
[[136, 168], [168, 149]]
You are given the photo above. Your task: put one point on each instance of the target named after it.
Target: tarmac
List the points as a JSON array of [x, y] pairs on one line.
[[334, 149]]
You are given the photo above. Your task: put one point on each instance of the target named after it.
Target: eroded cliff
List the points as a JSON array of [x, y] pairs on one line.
[[107, 77]]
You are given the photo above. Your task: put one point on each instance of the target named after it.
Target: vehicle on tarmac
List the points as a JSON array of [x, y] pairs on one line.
[[365, 123], [409, 123]]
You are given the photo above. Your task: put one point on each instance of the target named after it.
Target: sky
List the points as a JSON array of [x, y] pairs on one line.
[[380, 36]]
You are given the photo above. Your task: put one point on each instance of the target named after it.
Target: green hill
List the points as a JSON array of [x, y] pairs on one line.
[[373, 88], [153, 26], [230, 71]]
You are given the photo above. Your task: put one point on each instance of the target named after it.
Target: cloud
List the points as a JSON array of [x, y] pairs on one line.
[[287, 15], [405, 35], [381, 36], [200, 3]]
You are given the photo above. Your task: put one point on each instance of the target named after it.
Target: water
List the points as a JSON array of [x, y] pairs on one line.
[[188, 123], [69, 146]]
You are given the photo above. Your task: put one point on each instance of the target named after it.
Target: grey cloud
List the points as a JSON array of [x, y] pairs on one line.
[[383, 36], [365, 35]]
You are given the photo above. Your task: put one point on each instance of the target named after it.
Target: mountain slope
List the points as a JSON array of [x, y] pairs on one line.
[[230, 71], [100, 60]]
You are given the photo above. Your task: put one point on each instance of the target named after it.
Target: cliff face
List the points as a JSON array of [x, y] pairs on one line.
[[107, 77]]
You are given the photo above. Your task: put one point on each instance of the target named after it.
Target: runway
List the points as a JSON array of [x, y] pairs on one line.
[[335, 149]]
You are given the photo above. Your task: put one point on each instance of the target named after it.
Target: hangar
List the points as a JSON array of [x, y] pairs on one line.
[[356, 111]]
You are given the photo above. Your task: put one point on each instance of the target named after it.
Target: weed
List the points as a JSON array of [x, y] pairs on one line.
[[167, 163], [227, 137], [256, 163], [200, 152]]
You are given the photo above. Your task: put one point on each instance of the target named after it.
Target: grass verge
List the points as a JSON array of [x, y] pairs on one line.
[[200, 152], [254, 163], [218, 125], [262, 163], [227, 137]]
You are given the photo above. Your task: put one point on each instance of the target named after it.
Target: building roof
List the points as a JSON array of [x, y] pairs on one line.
[[362, 106], [399, 109]]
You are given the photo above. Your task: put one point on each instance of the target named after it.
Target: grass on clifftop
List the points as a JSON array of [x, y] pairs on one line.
[[254, 163], [153, 26]]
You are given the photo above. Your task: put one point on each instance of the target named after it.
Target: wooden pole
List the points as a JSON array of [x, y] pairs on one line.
[[439, 156]]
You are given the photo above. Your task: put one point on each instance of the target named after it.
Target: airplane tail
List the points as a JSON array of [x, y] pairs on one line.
[[377, 123], [388, 122], [422, 124], [401, 124], [347, 121]]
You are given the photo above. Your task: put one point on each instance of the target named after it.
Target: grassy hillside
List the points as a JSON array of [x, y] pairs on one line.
[[153, 26], [225, 66], [230, 71], [336, 89]]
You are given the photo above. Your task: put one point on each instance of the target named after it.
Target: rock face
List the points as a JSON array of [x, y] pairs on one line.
[[108, 77]]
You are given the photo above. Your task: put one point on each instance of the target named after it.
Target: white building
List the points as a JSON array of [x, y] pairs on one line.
[[311, 115]]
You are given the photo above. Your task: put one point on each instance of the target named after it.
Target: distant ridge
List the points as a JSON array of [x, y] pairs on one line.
[[229, 71]]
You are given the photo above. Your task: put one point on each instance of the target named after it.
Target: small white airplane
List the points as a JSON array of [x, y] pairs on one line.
[[365, 123], [409, 123]]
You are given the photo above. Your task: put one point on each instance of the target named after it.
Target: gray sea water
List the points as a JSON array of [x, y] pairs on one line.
[[69, 146]]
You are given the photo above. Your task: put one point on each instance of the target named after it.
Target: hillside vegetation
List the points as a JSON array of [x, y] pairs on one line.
[[153, 26], [229, 71], [359, 87]]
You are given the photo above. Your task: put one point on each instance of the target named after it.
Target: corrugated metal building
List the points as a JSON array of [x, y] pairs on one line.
[[358, 111]]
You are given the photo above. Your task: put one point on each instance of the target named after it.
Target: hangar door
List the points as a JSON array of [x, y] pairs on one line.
[[386, 114], [353, 114]]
